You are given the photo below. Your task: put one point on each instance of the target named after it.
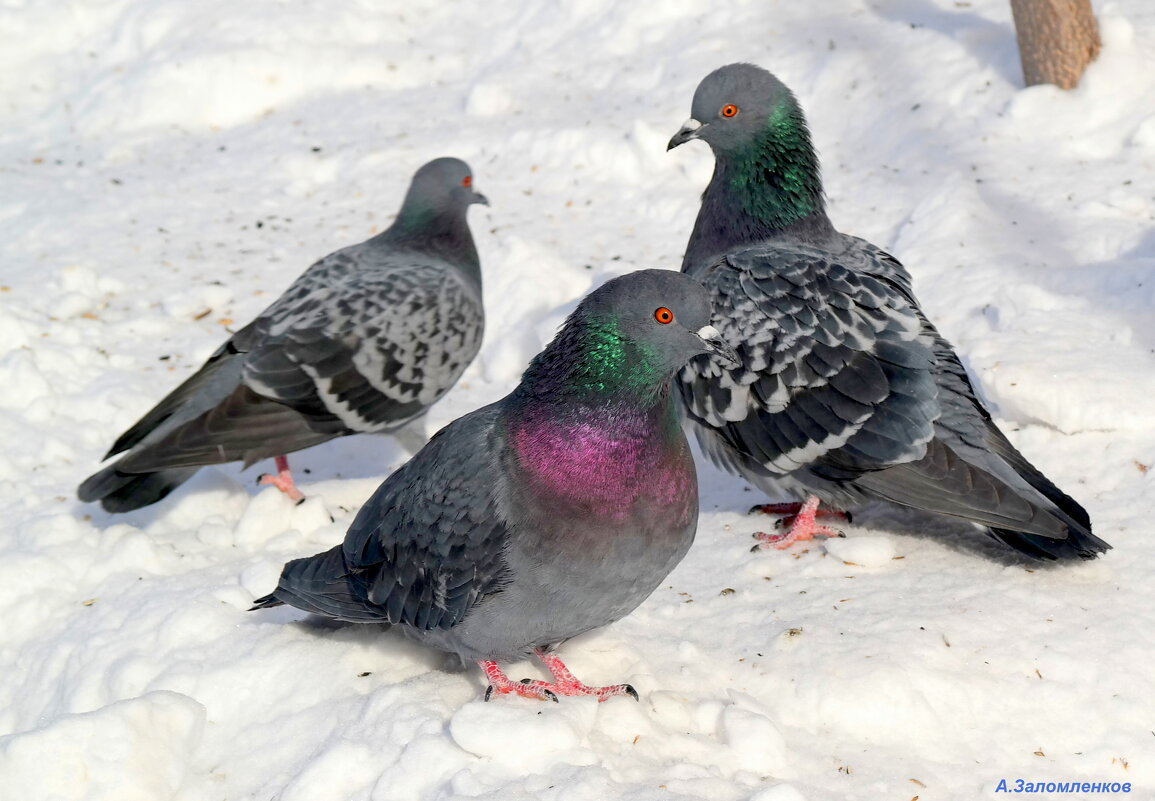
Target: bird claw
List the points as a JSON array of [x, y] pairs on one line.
[[563, 683], [791, 510], [788, 523], [785, 539], [540, 693], [800, 524], [282, 480]]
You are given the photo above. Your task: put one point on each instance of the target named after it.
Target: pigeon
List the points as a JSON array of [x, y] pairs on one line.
[[551, 512], [846, 392], [366, 340]]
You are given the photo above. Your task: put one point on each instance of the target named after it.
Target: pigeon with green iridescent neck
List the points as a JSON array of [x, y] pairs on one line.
[[366, 340], [553, 511], [846, 392]]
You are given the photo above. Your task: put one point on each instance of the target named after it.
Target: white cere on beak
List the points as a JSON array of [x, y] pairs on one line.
[[691, 125], [708, 332]]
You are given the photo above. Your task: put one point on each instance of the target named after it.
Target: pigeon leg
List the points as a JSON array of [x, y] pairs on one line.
[[283, 480], [802, 527], [501, 683], [564, 682], [791, 510]]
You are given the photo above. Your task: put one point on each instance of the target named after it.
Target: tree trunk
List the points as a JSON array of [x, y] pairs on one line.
[[1057, 40]]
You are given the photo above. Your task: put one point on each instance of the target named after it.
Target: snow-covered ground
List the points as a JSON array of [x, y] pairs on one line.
[[167, 168]]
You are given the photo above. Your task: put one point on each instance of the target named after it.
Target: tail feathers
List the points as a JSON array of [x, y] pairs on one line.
[[943, 482], [1051, 529], [200, 392], [1031, 474], [1079, 544], [125, 492], [243, 426], [323, 585]]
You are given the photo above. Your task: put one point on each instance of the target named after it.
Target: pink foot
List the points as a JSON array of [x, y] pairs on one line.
[[802, 525], [283, 480], [564, 682], [791, 511]]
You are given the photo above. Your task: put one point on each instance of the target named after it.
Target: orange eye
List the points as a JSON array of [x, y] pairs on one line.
[[729, 110], [663, 315], [468, 181]]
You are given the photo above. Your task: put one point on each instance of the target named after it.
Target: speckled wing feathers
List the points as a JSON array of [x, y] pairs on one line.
[[363, 341], [833, 368], [379, 336], [847, 388]]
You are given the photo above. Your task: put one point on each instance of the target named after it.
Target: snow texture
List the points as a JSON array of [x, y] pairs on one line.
[[168, 168]]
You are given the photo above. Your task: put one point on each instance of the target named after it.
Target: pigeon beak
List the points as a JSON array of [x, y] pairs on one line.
[[480, 198], [712, 338], [691, 129]]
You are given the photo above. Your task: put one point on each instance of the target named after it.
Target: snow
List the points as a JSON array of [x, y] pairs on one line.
[[133, 750], [168, 168], [862, 551]]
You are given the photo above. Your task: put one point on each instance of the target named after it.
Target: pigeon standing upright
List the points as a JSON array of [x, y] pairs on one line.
[[846, 392], [551, 512], [366, 340]]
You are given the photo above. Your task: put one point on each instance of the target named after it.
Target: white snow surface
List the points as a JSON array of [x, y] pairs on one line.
[[169, 167]]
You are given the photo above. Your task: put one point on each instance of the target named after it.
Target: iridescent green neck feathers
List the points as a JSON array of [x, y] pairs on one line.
[[594, 359], [776, 178], [761, 189]]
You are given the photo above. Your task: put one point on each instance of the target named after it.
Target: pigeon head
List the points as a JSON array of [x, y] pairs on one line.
[[432, 217], [733, 107], [665, 314], [630, 336], [766, 176], [444, 184]]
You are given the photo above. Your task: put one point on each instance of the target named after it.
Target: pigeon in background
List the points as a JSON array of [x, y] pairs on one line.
[[551, 512], [366, 340], [846, 392]]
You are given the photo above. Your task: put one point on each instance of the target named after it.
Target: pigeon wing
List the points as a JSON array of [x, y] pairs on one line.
[[361, 342], [834, 374], [369, 342], [431, 541]]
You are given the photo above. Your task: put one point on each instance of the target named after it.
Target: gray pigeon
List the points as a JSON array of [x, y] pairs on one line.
[[551, 512], [366, 340], [846, 392]]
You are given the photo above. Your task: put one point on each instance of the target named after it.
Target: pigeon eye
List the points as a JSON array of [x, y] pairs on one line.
[[663, 315], [468, 181], [729, 110]]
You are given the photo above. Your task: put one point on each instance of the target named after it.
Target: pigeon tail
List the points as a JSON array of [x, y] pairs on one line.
[[324, 585], [1079, 544], [126, 492]]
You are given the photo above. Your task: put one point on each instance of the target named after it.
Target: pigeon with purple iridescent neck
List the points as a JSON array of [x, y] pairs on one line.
[[553, 511], [845, 392], [366, 340]]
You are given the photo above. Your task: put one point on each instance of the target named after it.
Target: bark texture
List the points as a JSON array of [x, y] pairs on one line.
[[1057, 40]]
